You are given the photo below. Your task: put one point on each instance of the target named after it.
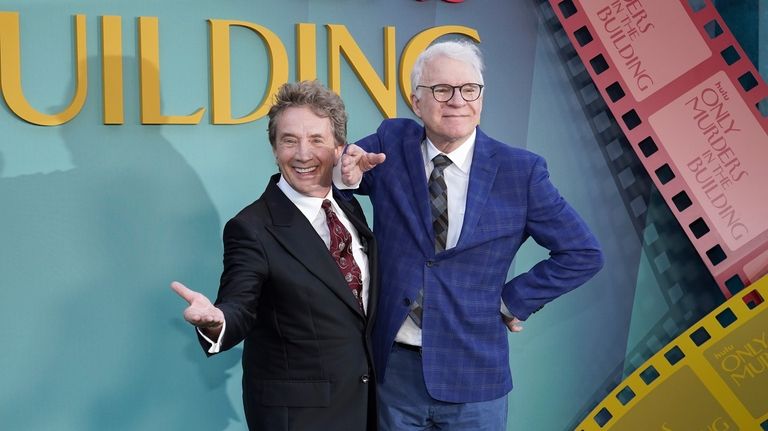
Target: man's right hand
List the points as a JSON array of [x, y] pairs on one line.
[[200, 311], [355, 162]]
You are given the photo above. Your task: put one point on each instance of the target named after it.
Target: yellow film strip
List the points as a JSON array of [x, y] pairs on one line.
[[713, 377]]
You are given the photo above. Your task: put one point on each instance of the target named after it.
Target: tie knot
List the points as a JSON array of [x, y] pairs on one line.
[[441, 161], [326, 206]]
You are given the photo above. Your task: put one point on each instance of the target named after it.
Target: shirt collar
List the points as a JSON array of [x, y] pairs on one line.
[[459, 156], [308, 205]]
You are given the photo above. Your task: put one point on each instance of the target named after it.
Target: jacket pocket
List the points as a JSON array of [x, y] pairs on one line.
[[296, 393]]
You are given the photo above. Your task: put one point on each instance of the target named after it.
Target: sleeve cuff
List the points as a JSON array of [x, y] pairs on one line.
[[215, 345], [505, 311]]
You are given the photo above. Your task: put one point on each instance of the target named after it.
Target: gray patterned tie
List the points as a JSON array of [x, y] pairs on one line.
[[438, 199]]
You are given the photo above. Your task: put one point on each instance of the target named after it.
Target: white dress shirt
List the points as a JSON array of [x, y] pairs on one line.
[[457, 182], [310, 207]]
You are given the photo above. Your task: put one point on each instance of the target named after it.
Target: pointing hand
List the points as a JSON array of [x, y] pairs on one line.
[[355, 162]]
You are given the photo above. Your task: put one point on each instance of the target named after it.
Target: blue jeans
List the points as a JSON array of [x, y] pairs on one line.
[[405, 404]]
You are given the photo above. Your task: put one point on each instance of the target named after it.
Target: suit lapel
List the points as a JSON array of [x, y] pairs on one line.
[[481, 178], [418, 193], [292, 230]]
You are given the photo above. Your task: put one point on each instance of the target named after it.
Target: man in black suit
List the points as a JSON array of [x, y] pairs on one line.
[[305, 313]]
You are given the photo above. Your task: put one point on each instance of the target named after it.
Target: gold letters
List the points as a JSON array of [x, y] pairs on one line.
[[220, 70], [339, 40], [382, 87], [10, 73], [149, 51], [112, 69], [306, 52]]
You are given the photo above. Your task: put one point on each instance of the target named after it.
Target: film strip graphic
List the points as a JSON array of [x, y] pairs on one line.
[[714, 376], [693, 108], [631, 180], [685, 285]]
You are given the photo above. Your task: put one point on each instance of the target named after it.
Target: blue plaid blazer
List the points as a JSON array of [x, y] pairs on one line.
[[510, 198]]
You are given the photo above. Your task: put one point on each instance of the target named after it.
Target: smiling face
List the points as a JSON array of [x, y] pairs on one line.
[[306, 151], [449, 123]]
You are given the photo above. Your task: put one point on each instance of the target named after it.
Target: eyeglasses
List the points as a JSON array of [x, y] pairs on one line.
[[444, 92]]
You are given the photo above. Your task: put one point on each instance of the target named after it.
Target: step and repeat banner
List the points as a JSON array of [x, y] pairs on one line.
[[131, 131]]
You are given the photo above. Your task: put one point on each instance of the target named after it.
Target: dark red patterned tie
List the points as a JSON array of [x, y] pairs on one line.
[[341, 250]]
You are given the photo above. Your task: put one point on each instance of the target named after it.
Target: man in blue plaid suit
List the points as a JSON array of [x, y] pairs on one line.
[[440, 338]]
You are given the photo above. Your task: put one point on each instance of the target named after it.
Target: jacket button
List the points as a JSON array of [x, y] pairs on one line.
[[406, 302], [364, 378], [430, 263]]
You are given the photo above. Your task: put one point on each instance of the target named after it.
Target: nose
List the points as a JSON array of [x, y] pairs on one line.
[[456, 99], [303, 151]]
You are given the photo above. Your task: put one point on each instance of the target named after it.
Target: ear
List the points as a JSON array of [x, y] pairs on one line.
[[337, 152], [415, 104]]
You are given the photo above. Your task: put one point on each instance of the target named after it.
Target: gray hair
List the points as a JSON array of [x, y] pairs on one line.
[[322, 101], [461, 50]]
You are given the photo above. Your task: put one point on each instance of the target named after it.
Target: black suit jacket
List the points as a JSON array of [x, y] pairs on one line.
[[307, 362]]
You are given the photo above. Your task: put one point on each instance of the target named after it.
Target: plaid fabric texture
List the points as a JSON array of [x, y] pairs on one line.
[[510, 198]]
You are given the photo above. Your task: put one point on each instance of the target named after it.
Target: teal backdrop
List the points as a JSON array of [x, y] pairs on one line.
[[97, 220]]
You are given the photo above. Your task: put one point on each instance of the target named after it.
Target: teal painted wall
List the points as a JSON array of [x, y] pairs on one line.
[[95, 220]]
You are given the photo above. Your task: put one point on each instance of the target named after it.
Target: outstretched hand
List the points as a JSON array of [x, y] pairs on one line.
[[200, 311], [355, 162]]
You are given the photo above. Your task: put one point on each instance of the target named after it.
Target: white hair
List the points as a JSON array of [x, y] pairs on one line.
[[460, 50]]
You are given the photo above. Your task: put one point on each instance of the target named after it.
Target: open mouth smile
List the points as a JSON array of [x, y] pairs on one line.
[[305, 170]]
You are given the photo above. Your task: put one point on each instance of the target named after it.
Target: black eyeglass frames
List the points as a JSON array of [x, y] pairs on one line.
[[444, 92]]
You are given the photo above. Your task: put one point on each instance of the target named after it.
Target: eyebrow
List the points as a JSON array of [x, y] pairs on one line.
[[295, 135]]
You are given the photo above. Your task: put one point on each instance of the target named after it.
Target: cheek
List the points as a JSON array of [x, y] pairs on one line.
[[428, 115], [327, 156], [479, 107], [279, 156], [284, 156]]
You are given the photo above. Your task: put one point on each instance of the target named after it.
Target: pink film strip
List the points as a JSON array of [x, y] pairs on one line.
[[688, 99]]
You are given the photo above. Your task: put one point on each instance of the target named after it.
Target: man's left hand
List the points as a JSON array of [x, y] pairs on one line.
[[513, 323]]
